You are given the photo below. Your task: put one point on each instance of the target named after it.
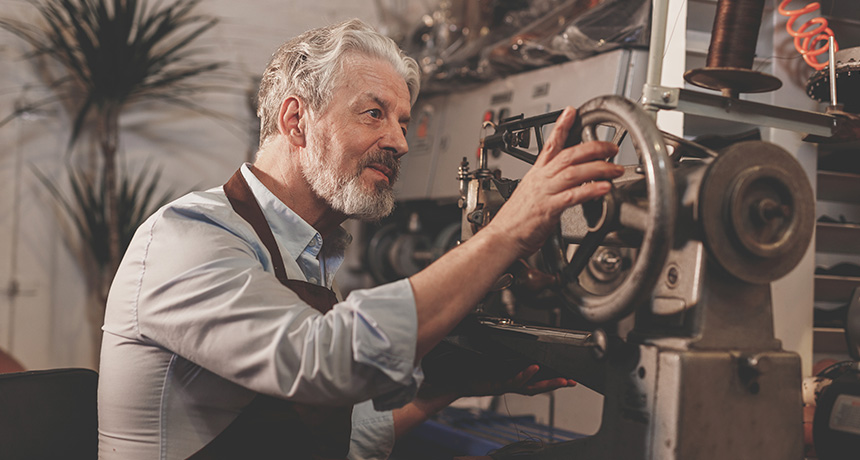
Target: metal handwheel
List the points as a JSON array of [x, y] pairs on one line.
[[652, 218]]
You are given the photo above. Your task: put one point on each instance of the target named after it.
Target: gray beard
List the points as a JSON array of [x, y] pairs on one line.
[[346, 193]]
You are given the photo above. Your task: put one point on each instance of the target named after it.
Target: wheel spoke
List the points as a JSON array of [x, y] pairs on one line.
[[583, 253], [589, 133], [620, 134], [643, 216]]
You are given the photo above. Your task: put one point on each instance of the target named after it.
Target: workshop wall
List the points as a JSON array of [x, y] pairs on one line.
[[42, 293]]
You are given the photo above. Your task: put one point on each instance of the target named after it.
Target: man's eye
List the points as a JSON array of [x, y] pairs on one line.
[[375, 113]]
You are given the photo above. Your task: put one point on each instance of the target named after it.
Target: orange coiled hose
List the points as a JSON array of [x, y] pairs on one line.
[[805, 41]]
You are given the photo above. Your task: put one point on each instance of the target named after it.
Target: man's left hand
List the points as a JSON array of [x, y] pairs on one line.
[[432, 399], [520, 383]]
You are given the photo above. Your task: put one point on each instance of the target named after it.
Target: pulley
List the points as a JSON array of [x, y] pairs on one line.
[[756, 209]]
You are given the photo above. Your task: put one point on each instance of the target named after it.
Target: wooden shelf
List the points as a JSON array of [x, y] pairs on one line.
[[829, 340], [830, 288], [837, 238], [837, 186], [825, 149]]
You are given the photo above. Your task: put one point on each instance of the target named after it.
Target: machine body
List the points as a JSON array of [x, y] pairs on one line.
[[701, 374]]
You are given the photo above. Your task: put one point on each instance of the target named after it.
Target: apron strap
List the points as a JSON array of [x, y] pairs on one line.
[[271, 427], [245, 204]]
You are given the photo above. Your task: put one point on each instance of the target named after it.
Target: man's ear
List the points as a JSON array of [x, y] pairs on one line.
[[292, 119]]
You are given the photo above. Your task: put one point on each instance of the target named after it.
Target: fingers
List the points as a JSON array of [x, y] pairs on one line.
[[555, 142], [524, 376], [577, 195], [519, 382], [548, 385], [582, 154], [574, 176], [577, 165]]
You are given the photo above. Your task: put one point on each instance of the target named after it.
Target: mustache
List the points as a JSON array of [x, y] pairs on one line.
[[384, 158]]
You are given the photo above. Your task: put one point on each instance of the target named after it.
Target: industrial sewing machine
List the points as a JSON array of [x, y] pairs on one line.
[[686, 244], [701, 375], [687, 241]]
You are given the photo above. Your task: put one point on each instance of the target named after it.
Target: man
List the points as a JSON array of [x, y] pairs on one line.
[[221, 339]]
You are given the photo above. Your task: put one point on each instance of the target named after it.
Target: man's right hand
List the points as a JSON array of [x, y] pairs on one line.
[[559, 179]]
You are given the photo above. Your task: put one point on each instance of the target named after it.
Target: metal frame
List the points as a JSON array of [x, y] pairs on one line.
[[656, 97]]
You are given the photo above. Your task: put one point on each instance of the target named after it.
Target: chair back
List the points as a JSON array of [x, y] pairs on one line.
[[49, 414]]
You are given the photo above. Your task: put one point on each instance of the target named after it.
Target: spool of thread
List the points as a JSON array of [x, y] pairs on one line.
[[735, 32], [732, 51]]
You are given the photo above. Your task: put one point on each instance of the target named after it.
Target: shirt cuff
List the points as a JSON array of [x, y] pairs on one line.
[[385, 334], [372, 433], [399, 398]]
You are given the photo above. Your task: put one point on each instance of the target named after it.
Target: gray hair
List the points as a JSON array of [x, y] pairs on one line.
[[309, 66]]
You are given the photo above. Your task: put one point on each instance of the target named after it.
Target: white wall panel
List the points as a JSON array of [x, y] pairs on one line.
[[46, 325]]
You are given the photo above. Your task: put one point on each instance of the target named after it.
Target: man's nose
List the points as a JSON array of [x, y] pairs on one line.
[[395, 141]]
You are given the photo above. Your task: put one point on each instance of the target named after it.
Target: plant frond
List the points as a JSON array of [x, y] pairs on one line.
[[86, 210], [65, 205], [114, 53], [78, 124], [171, 78], [117, 51], [27, 108]]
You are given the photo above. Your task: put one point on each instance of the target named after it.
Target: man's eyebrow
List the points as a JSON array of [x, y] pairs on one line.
[[386, 106]]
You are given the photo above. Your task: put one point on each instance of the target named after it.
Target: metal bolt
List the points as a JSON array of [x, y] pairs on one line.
[[672, 276], [749, 369], [609, 261], [476, 217], [768, 209], [667, 96]]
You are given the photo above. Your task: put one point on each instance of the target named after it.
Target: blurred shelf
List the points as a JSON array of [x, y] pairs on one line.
[[832, 288], [837, 238], [838, 186], [829, 340], [825, 149]]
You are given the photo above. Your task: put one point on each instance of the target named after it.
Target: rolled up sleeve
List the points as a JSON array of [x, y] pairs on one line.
[[384, 335]]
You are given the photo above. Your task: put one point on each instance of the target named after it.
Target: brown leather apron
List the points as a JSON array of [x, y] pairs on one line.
[[270, 427]]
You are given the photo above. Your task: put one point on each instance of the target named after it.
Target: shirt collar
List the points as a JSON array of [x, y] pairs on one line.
[[292, 232]]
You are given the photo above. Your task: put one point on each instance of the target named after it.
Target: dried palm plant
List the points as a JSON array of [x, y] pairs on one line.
[[112, 54]]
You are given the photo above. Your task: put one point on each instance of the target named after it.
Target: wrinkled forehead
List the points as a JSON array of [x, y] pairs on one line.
[[364, 76]]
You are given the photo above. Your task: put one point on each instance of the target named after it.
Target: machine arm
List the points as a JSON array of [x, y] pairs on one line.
[[515, 132]]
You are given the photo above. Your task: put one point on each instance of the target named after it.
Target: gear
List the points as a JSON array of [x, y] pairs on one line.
[[847, 81]]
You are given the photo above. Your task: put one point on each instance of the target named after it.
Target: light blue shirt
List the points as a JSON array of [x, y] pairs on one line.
[[197, 324]]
